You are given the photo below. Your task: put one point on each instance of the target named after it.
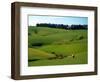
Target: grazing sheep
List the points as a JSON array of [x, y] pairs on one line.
[[73, 56], [61, 56]]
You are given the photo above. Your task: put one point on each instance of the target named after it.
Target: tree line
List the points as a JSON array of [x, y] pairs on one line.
[[62, 26]]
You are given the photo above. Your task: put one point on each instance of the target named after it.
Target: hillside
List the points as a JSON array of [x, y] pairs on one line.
[[52, 46]]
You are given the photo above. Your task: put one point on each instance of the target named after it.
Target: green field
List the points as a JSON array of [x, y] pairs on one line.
[[52, 46]]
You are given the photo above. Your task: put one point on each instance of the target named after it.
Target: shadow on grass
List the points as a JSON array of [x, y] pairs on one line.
[[33, 60]]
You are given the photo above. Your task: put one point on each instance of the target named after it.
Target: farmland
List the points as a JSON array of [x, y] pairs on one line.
[[53, 46]]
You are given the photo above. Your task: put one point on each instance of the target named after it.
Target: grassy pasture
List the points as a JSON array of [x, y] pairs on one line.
[[52, 46]]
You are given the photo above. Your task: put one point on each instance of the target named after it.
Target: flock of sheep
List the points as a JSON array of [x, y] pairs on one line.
[[60, 56]]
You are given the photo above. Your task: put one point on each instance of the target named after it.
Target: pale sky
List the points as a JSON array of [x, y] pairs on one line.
[[33, 20]]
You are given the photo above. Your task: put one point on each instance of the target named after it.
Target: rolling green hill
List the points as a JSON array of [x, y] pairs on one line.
[[52, 46]]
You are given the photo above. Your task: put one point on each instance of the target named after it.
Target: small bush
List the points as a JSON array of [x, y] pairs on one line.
[[80, 37], [35, 30]]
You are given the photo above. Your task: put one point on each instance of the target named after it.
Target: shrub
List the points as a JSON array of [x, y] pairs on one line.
[[80, 37], [35, 30]]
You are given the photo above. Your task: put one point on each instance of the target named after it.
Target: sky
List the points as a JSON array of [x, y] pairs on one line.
[[66, 20]]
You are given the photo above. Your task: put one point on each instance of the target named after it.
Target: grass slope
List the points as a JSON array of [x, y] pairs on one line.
[[38, 54], [51, 46]]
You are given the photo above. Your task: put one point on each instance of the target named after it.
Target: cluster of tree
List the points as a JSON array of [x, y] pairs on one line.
[[62, 26]]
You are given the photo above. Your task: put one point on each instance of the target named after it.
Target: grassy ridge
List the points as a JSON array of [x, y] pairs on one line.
[[52, 43], [37, 54]]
